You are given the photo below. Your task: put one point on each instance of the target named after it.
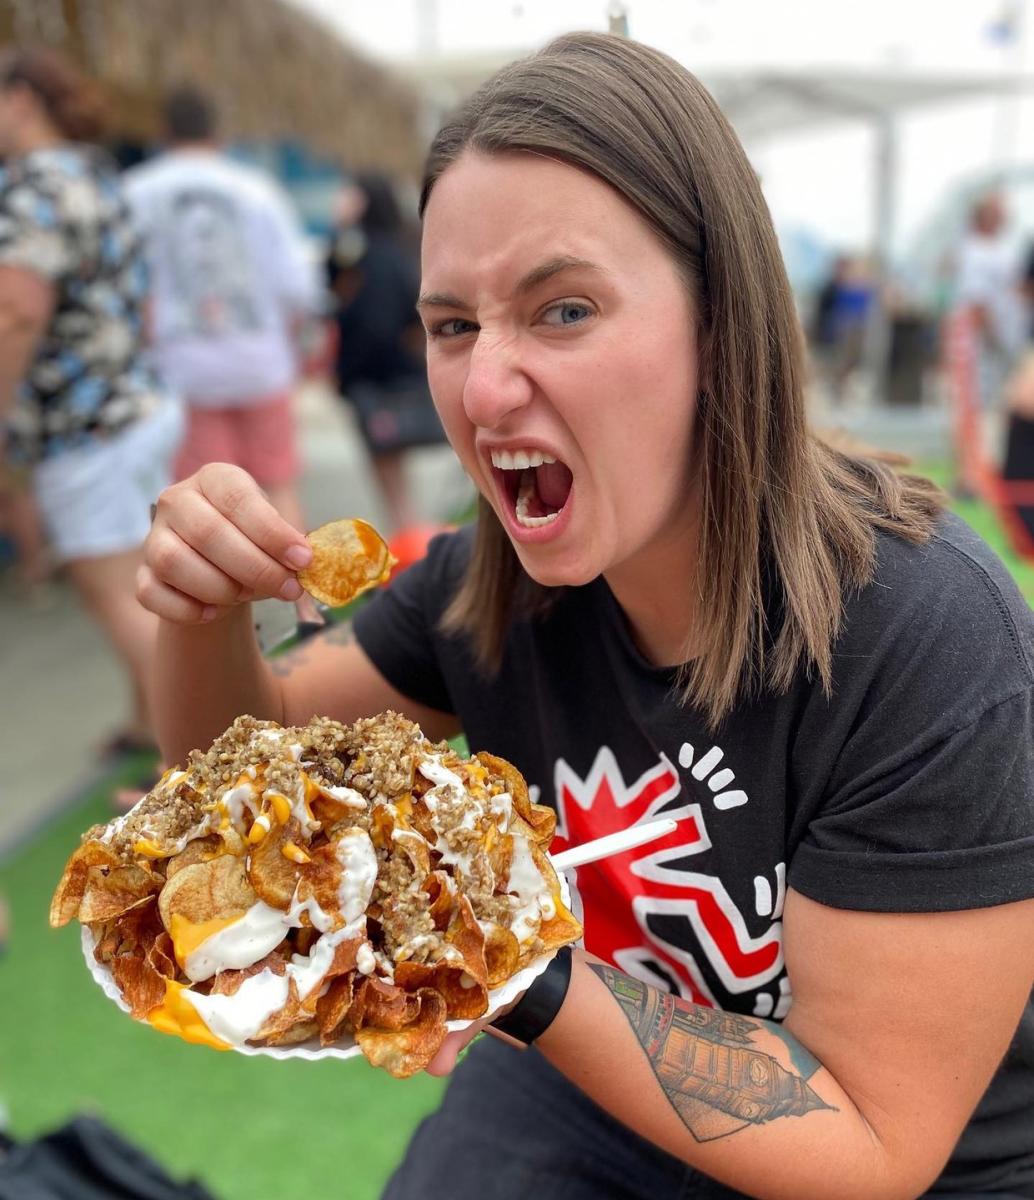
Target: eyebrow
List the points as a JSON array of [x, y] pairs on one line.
[[536, 276]]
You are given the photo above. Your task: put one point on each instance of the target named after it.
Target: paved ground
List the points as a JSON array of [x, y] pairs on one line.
[[61, 693]]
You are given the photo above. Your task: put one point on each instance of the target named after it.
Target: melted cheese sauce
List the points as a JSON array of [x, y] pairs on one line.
[[178, 1016]]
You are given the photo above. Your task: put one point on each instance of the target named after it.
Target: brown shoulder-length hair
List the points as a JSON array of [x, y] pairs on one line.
[[72, 101], [786, 523]]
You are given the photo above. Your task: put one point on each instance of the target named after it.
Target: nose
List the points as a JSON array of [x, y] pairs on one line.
[[496, 385]]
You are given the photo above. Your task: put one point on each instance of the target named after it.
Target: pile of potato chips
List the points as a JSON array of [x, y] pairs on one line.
[[321, 884]]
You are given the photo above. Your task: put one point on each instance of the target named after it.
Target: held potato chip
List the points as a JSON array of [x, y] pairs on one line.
[[321, 886], [348, 557]]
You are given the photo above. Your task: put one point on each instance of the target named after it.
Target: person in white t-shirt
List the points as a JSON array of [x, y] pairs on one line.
[[988, 285], [230, 279]]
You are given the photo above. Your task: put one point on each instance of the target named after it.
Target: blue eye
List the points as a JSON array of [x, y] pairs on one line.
[[451, 328], [566, 312]]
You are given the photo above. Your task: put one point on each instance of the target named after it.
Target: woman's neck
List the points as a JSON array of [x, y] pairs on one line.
[[657, 593], [37, 135]]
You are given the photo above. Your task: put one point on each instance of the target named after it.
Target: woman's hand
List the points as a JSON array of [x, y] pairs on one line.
[[453, 1046], [216, 542]]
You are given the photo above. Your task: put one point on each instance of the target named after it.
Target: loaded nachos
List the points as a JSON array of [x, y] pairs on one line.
[[321, 882]]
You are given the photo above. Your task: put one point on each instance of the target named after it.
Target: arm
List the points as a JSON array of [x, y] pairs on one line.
[[26, 305], [892, 1039], [216, 544]]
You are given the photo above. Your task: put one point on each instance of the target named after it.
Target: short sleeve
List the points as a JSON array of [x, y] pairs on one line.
[[32, 235], [916, 777], [398, 629], [947, 829]]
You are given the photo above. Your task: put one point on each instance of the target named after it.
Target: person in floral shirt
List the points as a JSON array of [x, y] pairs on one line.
[[83, 415]]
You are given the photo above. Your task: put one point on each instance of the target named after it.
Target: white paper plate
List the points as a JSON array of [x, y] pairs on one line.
[[497, 998]]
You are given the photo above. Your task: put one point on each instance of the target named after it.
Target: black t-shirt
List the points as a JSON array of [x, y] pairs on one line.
[[909, 789]]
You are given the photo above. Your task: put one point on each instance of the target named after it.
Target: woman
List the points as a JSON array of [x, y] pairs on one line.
[[81, 409], [675, 599]]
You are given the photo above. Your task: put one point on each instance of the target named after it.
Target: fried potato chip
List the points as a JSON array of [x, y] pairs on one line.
[[406, 1051], [71, 887], [227, 983], [540, 819], [271, 873], [138, 928], [160, 956], [349, 557], [502, 953], [197, 851], [382, 1004], [281, 1022], [500, 859], [110, 893], [466, 998], [415, 848], [333, 1006], [463, 982], [382, 825], [438, 886], [208, 891], [300, 1031], [142, 987]]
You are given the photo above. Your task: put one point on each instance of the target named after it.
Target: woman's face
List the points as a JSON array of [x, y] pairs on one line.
[[562, 355]]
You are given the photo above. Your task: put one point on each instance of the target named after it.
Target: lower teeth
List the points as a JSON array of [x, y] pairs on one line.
[[523, 499]]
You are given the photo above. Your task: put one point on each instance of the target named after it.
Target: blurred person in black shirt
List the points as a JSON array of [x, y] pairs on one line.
[[374, 274]]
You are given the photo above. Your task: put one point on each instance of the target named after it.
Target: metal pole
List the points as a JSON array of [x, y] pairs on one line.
[[878, 333]]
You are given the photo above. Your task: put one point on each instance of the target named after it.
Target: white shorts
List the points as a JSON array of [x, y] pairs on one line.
[[95, 500]]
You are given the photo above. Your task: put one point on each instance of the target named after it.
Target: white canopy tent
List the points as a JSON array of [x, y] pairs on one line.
[[767, 103]]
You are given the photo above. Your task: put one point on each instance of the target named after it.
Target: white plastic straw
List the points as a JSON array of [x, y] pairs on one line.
[[613, 843]]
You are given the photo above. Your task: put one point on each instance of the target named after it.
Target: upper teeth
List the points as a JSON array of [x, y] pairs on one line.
[[519, 460]]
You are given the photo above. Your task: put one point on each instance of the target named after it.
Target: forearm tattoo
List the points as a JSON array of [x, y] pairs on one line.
[[715, 1079], [339, 634]]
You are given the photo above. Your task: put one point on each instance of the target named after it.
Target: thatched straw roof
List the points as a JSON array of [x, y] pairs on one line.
[[273, 70]]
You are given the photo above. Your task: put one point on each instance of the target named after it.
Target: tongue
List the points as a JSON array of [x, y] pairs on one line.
[[553, 484]]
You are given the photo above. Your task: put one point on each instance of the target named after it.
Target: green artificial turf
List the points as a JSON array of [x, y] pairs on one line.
[[250, 1128]]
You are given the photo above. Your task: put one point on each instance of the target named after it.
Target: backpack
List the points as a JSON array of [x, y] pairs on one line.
[[87, 1160]]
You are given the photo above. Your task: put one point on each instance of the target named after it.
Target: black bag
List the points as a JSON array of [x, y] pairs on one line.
[[87, 1160], [396, 416]]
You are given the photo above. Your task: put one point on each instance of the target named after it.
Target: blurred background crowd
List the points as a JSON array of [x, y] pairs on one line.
[[209, 252]]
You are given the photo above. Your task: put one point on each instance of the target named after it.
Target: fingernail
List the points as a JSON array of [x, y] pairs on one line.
[[298, 556], [291, 590], [209, 612]]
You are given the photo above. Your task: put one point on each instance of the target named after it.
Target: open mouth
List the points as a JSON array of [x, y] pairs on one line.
[[536, 484]]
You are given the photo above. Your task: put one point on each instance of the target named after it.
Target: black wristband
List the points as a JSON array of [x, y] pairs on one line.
[[536, 1010]]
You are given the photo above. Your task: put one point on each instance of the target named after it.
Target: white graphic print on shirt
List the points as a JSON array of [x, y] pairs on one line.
[[616, 897]]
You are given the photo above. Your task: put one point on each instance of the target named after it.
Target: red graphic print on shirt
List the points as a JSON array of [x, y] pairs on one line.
[[616, 895]]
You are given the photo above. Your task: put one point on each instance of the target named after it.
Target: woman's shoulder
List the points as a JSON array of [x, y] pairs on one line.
[[75, 183], [949, 599]]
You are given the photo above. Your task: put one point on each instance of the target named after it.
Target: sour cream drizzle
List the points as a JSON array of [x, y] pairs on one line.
[[238, 945], [241, 1016], [535, 900]]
